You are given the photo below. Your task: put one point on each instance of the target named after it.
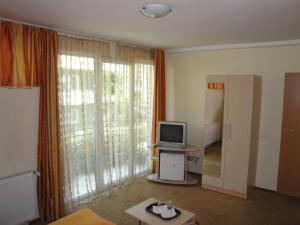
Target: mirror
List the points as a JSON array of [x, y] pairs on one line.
[[214, 110]]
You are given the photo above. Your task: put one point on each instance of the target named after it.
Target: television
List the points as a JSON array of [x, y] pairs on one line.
[[171, 134]]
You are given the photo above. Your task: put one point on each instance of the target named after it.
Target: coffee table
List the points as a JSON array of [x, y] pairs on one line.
[[138, 211]]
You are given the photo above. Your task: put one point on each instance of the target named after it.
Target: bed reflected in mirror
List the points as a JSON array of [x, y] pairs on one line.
[[214, 110]]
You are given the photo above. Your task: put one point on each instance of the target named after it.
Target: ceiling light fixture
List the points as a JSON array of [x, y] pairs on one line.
[[156, 10]]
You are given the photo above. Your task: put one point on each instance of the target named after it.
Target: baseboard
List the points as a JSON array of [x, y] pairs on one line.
[[225, 191]]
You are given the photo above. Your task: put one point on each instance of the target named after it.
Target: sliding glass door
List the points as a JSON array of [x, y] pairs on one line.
[[105, 113]]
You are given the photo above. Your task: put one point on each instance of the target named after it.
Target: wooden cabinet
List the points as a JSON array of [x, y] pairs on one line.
[[235, 151]]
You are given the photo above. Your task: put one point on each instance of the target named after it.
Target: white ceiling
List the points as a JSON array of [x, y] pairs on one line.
[[192, 22]]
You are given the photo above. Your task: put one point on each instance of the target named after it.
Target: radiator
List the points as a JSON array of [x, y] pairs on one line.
[[18, 199]]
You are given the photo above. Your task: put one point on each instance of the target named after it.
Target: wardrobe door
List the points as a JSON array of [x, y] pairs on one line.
[[239, 114], [214, 131]]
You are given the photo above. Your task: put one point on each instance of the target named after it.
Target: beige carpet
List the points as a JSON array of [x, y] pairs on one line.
[[211, 208]]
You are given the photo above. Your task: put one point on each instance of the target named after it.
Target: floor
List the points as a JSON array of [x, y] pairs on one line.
[[212, 159], [211, 208]]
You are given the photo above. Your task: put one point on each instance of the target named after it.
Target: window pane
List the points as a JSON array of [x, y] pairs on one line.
[[116, 118], [143, 85], [77, 114]]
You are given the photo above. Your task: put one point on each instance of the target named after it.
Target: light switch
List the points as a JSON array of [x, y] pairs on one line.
[[263, 134]]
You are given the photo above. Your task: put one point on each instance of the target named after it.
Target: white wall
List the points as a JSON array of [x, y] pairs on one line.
[[19, 117], [185, 81]]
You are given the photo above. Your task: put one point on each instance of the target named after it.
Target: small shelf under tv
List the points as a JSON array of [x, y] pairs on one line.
[[181, 170], [189, 181], [154, 158]]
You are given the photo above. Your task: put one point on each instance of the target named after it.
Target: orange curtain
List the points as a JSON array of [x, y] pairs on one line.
[[28, 57], [6, 54], [159, 98]]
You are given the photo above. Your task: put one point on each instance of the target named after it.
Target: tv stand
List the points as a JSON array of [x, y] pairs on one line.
[[171, 166]]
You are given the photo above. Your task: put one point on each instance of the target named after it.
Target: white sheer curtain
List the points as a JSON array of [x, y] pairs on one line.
[[105, 113]]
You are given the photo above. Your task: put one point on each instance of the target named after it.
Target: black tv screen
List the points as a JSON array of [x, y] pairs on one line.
[[171, 133]]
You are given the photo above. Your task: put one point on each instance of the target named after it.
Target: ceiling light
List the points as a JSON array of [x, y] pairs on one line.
[[156, 10]]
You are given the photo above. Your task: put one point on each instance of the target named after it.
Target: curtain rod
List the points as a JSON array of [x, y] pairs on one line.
[[75, 34]]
